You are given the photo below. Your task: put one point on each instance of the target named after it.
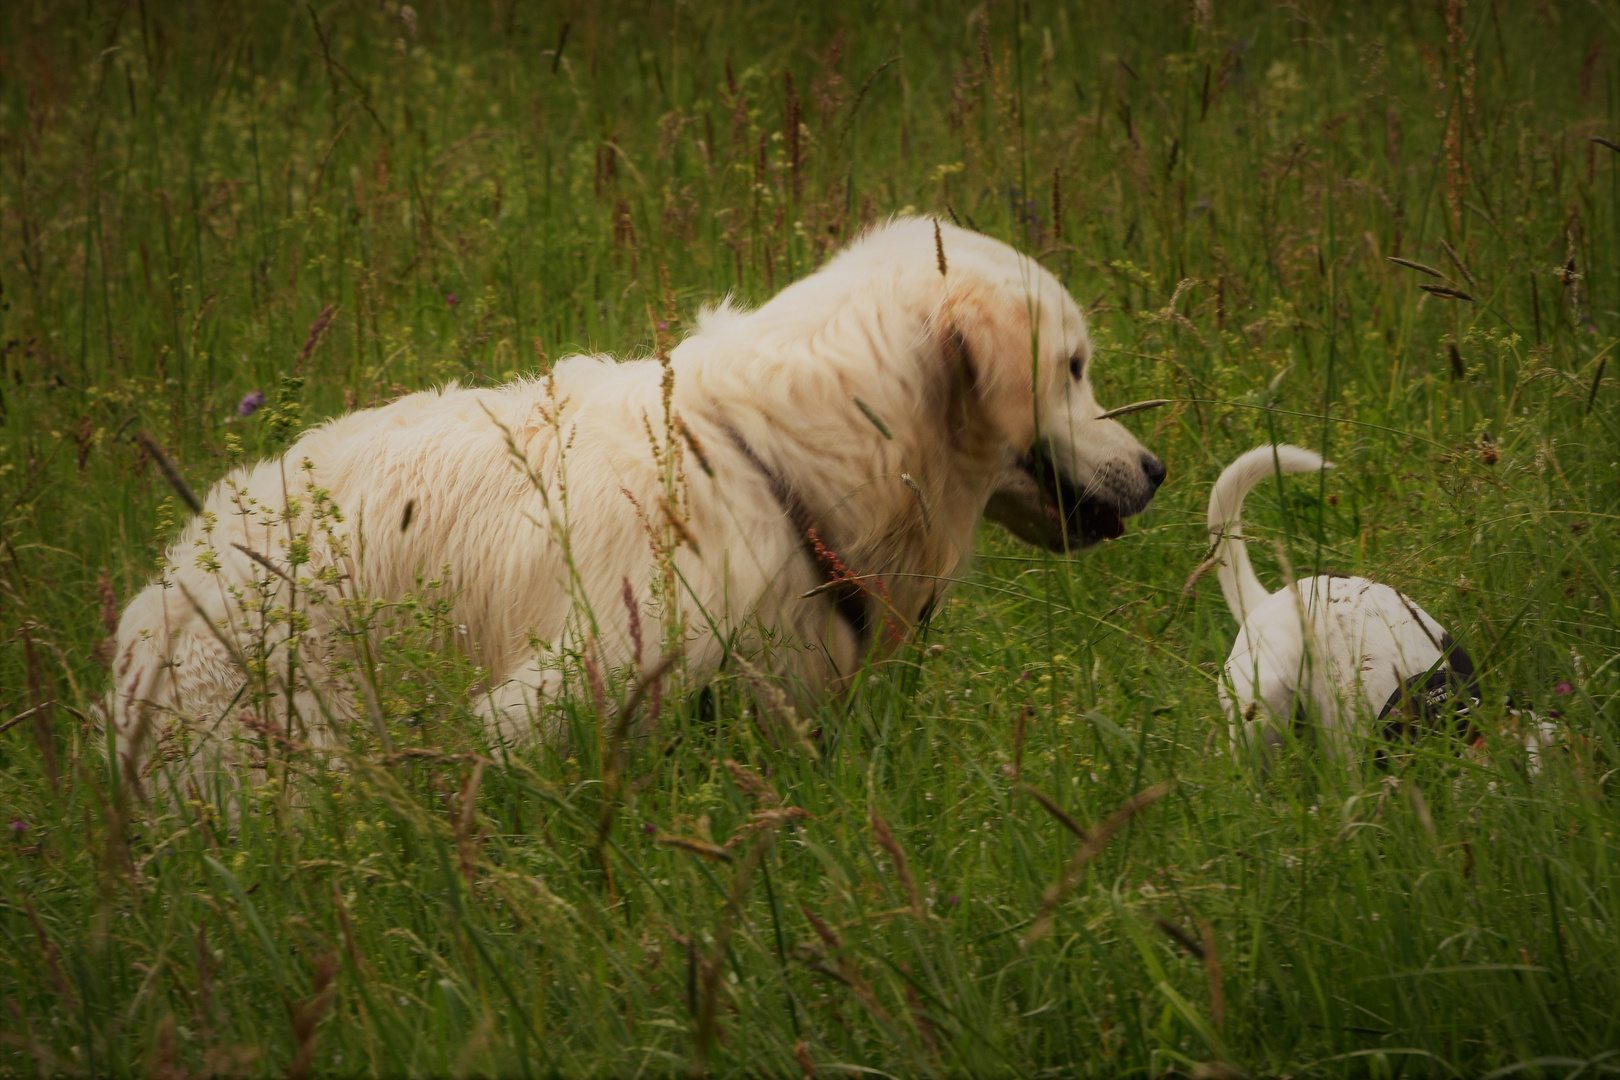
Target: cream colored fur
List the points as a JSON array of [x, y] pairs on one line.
[[966, 370]]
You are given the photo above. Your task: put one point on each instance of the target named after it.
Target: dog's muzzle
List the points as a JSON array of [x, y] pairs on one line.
[[1039, 506]]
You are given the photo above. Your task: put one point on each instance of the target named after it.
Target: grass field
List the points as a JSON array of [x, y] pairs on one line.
[[477, 189]]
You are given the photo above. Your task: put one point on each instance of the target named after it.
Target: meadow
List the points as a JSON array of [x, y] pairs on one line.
[[1017, 847]]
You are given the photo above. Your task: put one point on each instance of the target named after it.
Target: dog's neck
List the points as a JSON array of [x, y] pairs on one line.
[[846, 591], [873, 430]]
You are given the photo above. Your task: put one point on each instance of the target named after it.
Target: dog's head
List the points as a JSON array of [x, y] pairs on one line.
[[1067, 478]]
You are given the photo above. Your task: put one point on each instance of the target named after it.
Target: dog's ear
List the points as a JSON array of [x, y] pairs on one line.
[[986, 342]]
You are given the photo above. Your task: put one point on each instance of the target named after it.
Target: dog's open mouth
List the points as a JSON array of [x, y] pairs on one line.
[[1038, 506]]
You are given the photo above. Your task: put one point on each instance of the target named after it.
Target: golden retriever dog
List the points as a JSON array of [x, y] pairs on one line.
[[813, 470]]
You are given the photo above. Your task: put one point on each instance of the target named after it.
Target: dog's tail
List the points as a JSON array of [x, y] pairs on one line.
[[1243, 590]]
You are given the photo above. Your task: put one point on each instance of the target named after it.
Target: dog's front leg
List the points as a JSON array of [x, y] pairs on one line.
[[516, 710]]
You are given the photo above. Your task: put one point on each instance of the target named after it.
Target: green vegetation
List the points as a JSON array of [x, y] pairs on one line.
[[478, 189]]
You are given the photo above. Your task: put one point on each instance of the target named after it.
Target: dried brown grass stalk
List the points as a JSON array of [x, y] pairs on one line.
[[683, 532], [1099, 839], [613, 760], [306, 1015], [468, 841], [44, 701], [562, 43], [1419, 267], [922, 503], [919, 1016], [1212, 968], [316, 329], [1420, 807], [846, 972], [778, 704], [160, 1064], [769, 813], [170, 472], [1051, 807], [263, 561], [109, 617], [593, 678], [1456, 260], [801, 1054], [701, 848], [345, 927], [695, 446], [752, 784], [860, 95], [1020, 725], [374, 710], [939, 249], [1199, 573], [1134, 407], [1180, 937], [791, 121], [1057, 204], [827, 934], [885, 840], [767, 819], [53, 959], [711, 965], [1446, 292]]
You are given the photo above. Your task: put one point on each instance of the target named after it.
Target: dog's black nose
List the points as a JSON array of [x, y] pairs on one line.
[[1155, 470]]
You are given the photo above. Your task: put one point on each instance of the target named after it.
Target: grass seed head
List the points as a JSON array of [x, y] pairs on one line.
[[752, 784], [1446, 292], [1456, 260], [885, 840], [693, 444], [1419, 267], [701, 848], [316, 329]]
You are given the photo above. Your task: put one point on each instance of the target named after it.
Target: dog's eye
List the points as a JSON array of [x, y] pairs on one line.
[[1076, 367]]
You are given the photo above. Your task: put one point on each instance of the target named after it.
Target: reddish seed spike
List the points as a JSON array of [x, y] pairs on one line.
[[634, 611]]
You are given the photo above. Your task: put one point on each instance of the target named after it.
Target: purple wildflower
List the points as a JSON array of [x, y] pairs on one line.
[[648, 828], [1563, 688], [451, 299], [17, 827], [250, 403], [952, 900]]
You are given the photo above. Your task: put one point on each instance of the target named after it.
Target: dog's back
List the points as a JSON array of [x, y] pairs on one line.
[[376, 502]]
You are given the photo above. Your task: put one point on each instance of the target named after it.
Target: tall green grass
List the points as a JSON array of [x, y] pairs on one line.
[[482, 188]]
